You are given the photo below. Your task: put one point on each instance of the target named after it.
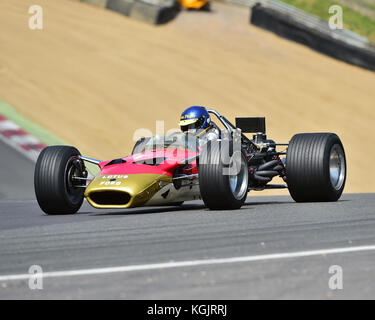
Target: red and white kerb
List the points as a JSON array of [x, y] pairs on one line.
[[17, 138]]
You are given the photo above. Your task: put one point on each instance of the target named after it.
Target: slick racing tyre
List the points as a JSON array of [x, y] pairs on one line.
[[315, 167], [223, 176], [59, 180]]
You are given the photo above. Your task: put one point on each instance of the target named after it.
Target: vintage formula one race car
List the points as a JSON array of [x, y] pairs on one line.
[[176, 168]]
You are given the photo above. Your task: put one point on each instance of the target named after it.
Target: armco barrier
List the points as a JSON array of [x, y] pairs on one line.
[[292, 23], [151, 11], [155, 13], [100, 3], [322, 39], [122, 6]]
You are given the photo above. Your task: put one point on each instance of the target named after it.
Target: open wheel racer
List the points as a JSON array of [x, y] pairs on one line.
[[179, 167]]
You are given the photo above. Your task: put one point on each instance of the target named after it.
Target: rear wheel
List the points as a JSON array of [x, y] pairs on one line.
[[315, 167], [59, 180], [223, 177]]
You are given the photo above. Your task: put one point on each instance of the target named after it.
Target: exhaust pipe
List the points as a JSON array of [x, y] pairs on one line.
[[268, 165], [267, 171]]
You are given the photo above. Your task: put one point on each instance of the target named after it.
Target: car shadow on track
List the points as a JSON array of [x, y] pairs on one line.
[[184, 207], [150, 210], [263, 203]]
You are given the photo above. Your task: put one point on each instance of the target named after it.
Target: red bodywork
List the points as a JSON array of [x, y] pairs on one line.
[[167, 167]]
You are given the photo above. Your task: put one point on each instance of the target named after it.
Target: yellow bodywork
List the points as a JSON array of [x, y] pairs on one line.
[[192, 4], [135, 190], [140, 187]]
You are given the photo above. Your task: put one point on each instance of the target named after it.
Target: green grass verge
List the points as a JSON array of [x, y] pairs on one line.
[[353, 20], [29, 126], [37, 131]]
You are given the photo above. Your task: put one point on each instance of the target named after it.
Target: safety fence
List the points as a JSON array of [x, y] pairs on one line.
[[297, 25], [151, 11]]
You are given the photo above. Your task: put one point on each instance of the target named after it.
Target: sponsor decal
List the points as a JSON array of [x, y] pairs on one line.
[[112, 180], [115, 176], [110, 183], [188, 116]]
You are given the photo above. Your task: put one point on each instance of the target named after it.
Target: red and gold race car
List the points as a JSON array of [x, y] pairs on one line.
[[168, 170]]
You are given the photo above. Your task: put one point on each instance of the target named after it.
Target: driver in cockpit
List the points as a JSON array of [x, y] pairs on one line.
[[196, 120]]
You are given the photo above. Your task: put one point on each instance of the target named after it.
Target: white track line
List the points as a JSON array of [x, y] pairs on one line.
[[193, 263]]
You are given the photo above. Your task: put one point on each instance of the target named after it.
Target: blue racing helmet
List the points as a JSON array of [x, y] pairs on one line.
[[194, 117]]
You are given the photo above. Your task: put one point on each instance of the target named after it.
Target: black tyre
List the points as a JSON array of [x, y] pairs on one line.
[[57, 188], [223, 176], [315, 167]]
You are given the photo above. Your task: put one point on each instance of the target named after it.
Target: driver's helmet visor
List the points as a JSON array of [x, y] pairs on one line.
[[192, 127]]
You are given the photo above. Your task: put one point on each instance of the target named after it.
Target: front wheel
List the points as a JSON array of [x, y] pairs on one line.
[[315, 167], [223, 176], [59, 180]]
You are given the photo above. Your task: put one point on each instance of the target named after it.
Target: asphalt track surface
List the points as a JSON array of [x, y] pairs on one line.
[[131, 244], [93, 239], [16, 175]]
